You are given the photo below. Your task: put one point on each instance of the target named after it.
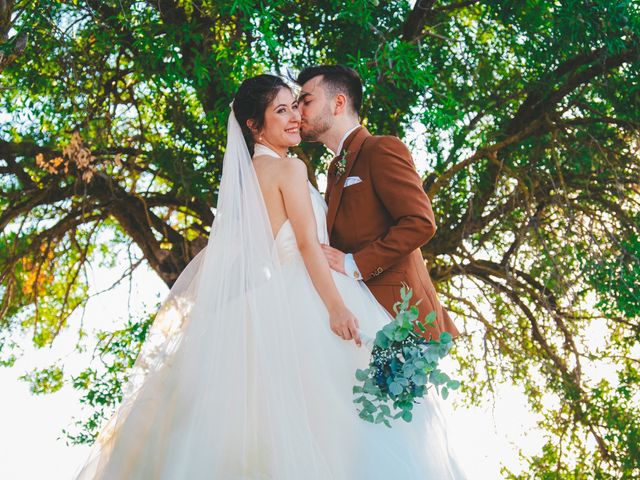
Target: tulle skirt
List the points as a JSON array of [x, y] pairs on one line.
[[263, 391]]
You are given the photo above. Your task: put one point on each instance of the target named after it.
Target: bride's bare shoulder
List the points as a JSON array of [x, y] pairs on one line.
[[292, 169], [265, 165], [283, 172]]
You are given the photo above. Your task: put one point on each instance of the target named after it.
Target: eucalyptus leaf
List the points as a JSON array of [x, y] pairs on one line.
[[395, 388], [430, 318], [382, 340], [445, 337], [419, 378], [453, 384]]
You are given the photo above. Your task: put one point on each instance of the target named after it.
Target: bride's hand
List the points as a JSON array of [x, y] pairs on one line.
[[345, 324]]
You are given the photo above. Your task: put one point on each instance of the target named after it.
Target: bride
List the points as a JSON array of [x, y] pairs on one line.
[[248, 369]]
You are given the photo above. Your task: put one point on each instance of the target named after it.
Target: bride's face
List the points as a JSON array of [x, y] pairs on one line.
[[281, 121]]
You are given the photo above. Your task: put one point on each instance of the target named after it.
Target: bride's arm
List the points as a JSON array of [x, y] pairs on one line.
[[297, 203]]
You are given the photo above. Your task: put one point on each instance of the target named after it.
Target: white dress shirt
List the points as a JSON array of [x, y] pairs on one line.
[[344, 138]]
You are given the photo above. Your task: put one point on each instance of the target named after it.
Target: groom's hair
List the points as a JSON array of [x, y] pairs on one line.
[[336, 79]]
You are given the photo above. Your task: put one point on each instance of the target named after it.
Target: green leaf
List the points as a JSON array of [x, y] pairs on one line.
[[419, 378], [395, 388], [438, 378], [401, 334], [389, 331], [407, 416], [371, 389], [369, 406], [46, 380], [412, 314], [382, 340], [444, 392], [406, 293], [453, 384], [445, 337], [402, 381], [365, 416], [408, 369], [430, 318]]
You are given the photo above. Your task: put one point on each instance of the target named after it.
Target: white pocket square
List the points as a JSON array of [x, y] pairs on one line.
[[351, 181]]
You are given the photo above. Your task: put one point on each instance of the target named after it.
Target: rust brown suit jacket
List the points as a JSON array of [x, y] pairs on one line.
[[384, 220]]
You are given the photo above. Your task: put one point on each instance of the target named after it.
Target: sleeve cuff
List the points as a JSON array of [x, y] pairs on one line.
[[350, 267]]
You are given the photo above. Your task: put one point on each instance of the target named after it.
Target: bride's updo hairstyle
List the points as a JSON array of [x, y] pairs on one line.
[[251, 101]]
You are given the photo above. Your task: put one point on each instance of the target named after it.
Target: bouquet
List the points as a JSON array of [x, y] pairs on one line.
[[403, 367]]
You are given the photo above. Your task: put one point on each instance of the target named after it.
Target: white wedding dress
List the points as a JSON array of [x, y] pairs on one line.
[[270, 399]]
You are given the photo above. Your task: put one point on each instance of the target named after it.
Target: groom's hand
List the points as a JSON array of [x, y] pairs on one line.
[[334, 257]]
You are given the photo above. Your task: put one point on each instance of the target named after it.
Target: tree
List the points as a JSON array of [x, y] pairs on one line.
[[10, 47], [114, 134]]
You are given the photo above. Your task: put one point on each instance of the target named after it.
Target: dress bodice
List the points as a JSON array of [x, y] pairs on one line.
[[285, 239]]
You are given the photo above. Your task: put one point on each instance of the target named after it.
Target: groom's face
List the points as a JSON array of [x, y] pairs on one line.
[[315, 110]]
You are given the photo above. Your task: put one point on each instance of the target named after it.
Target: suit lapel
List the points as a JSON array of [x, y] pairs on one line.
[[352, 145], [331, 179]]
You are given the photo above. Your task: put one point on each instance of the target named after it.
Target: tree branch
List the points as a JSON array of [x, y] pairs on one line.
[[417, 19]]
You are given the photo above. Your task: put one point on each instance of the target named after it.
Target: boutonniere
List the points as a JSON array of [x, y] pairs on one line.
[[341, 164]]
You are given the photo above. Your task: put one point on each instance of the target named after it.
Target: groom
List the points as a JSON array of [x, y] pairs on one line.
[[379, 215]]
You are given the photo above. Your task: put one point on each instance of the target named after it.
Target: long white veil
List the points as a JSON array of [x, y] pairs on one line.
[[203, 350]]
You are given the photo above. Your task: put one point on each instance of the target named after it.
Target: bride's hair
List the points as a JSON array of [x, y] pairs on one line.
[[251, 101]]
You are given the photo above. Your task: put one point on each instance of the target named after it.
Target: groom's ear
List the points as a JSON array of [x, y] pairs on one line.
[[341, 103]]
